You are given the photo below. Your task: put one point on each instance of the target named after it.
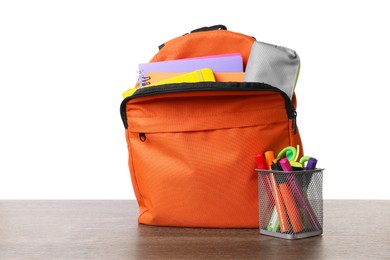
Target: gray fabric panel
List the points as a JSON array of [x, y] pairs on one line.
[[275, 65]]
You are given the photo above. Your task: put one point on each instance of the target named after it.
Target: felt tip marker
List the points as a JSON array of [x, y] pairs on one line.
[[299, 195], [311, 164]]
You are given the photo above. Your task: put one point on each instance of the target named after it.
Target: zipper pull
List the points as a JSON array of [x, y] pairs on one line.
[[294, 122], [142, 137]]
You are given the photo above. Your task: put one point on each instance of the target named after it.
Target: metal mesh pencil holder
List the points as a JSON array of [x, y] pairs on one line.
[[290, 203]]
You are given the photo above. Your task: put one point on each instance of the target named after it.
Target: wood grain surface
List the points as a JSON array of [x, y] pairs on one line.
[[353, 229]]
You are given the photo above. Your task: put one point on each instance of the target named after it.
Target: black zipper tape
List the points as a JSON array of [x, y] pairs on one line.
[[208, 86]]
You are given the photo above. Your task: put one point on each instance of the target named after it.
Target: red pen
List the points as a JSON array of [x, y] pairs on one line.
[[262, 165]]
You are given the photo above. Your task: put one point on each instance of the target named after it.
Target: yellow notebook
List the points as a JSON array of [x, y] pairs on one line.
[[205, 74]]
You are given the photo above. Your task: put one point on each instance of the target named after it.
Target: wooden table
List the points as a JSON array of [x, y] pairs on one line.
[[353, 229]]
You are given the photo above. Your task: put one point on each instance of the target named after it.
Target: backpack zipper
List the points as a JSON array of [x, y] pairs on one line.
[[294, 121], [207, 86], [142, 137]]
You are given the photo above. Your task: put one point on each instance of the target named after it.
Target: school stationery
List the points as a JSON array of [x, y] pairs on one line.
[[201, 75], [279, 205], [154, 77], [274, 222], [229, 63], [291, 206], [261, 164], [299, 195], [303, 227], [311, 164], [274, 65], [273, 225]]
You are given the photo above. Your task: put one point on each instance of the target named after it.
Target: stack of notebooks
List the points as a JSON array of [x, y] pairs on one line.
[[216, 68], [274, 65]]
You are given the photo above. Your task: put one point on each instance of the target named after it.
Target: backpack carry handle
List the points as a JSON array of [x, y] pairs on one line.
[[202, 29], [210, 28]]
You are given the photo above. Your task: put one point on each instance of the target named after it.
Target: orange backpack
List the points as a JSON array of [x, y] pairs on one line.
[[192, 145]]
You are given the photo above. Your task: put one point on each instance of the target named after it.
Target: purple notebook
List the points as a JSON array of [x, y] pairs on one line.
[[217, 63]]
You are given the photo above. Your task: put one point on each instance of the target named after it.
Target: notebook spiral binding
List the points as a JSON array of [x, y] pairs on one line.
[[143, 81]]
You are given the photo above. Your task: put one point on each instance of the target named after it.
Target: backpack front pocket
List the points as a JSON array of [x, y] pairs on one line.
[[191, 154]]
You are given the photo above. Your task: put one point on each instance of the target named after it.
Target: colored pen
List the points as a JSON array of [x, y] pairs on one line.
[[262, 165], [269, 157], [260, 161], [311, 164], [298, 193], [292, 209], [289, 201], [280, 208], [273, 224]]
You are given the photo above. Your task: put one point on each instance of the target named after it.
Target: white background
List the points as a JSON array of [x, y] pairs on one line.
[[64, 65]]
